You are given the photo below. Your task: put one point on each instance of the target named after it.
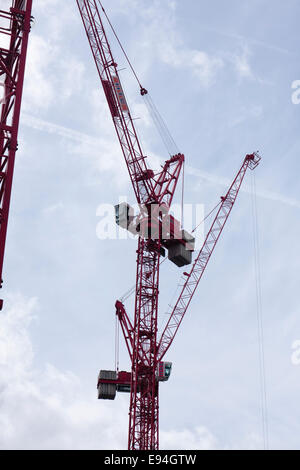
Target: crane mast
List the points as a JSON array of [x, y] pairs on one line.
[[15, 31], [157, 232], [149, 191]]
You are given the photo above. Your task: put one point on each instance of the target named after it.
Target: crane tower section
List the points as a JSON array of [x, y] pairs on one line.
[[14, 33]]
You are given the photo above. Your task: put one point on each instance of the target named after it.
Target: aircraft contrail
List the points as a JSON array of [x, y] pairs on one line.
[[76, 136]]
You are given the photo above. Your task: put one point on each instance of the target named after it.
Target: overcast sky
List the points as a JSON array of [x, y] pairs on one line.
[[221, 75]]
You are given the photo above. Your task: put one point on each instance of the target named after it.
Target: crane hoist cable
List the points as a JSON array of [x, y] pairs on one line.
[[259, 315], [164, 318], [161, 126], [182, 278], [117, 344], [206, 217], [158, 120], [182, 195], [120, 44]]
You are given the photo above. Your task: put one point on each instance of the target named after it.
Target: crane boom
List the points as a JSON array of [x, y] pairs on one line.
[[126, 325], [147, 187], [15, 27], [140, 175], [204, 255]]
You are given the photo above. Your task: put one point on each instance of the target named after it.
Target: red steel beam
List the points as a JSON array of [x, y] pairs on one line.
[[204, 255], [16, 30]]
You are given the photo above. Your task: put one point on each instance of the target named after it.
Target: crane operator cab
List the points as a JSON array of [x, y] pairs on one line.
[[163, 371]]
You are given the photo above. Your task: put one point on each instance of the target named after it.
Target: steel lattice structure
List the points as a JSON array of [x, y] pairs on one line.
[[14, 30], [201, 261], [153, 192]]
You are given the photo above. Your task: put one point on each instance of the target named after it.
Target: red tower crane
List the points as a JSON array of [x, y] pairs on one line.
[[14, 32], [157, 232]]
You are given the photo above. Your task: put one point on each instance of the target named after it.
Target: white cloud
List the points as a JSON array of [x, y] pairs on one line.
[[199, 438], [53, 75], [242, 64], [48, 408], [247, 40], [54, 208], [166, 44], [254, 112], [72, 74], [50, 78], [99, 147], [104, 156], [261, 192], [15, 347], [39, 90], [103, 153], [203, 66]]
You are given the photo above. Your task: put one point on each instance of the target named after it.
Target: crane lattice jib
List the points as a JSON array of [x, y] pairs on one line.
[[14, 32], [140, 175], [200, 263]]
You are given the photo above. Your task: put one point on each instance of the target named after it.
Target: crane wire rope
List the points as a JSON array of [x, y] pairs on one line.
[[161, 126], [182, 194], [120, 44], [159, 122], [259, 315], [117, 345], [181, 281], [206, 217], [164, 318]]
